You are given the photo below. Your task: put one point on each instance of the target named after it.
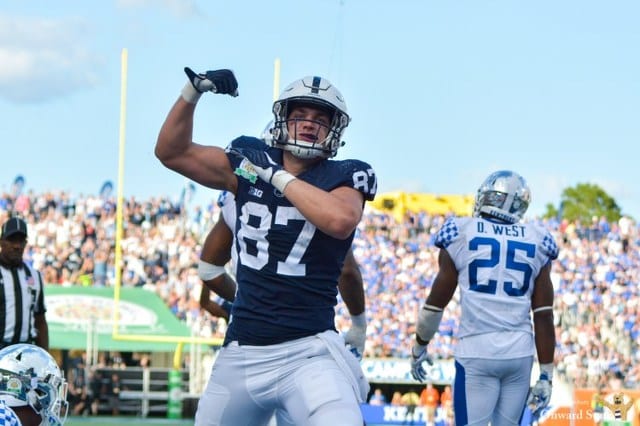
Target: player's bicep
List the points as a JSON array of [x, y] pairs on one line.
[[445, 282], [206, 165]]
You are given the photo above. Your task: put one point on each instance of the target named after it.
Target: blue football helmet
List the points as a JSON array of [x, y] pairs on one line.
[[30, 376], [317, 92], [504, 195]]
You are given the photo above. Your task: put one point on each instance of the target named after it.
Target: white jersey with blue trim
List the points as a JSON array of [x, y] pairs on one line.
[[497, 265], [287, 269], [8, 417]]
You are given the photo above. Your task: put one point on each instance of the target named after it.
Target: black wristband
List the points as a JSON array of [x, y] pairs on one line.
[[421, 342]]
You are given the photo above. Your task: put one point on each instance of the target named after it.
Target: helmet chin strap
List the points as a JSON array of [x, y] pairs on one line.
[[305, 150]]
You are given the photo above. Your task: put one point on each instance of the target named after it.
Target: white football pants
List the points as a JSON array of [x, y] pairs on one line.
[[301, 378], [493, 390]]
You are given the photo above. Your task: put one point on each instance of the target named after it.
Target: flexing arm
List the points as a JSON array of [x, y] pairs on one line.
[[336, 213], [175, 148]]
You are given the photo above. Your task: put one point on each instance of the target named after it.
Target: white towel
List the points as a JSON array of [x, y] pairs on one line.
[[347, 363]]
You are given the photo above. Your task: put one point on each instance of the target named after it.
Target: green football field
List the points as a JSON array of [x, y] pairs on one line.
[[110, 421]]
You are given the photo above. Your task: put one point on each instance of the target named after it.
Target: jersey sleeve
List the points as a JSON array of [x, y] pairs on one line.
[[361, 176], [549, 246], [447, 233]]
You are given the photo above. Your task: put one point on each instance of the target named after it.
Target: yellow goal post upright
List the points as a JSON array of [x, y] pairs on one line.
[[116, 335]]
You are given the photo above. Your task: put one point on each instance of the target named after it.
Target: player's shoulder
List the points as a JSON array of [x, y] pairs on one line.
[[225, 198], [8, 417], [350, 165], [355, 173], [451, 230], [544, 239], [249, 142]]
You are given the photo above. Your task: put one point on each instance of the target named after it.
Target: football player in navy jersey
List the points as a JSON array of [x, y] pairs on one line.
[[218, 250], [502, 268], [296, 214]]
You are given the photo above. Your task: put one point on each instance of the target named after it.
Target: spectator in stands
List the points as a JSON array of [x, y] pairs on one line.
[[377, 397], [396, 399], [446, 404], [429, 399], [77, 386], [94, 391], [410, 400], [111, 393]]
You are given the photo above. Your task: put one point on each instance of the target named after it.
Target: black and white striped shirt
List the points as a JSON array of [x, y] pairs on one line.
[[21, 298]]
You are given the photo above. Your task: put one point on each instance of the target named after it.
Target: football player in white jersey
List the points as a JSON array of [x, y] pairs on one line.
[[297, 210], [502, 268]]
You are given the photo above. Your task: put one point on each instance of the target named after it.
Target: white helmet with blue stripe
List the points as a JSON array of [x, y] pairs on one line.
[[317, 92]]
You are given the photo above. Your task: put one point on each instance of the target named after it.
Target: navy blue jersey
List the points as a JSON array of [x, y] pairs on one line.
[[287, 269]]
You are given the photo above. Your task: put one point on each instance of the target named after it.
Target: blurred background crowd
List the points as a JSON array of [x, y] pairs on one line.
[[597, 274]]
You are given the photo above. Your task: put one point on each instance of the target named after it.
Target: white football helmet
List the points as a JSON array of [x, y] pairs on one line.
[[504, 195], [266, 135], [318, 92], [29, 375]]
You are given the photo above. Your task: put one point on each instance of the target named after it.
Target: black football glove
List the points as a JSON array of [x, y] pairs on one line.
[[216, 81]]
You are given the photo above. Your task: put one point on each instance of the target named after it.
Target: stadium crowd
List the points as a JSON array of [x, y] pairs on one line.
[[597, 274]]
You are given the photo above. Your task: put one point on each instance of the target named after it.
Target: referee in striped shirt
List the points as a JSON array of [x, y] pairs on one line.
[[22, 309]]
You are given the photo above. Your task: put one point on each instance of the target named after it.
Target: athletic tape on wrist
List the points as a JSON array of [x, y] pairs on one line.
[[190, 94], [281, 179], [429, 319], [547, 370], [208, 271]]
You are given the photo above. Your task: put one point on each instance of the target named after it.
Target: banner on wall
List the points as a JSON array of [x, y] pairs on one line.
[[441, 372], [72, 311]]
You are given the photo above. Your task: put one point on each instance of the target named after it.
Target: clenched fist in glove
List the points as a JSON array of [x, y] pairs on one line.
[[357, 335], [540, 394], [418, 356], [217, 81], [264, 166]]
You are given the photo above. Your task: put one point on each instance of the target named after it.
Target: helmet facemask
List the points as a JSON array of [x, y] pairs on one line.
[[317, 93]]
